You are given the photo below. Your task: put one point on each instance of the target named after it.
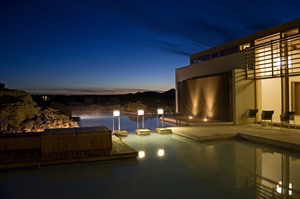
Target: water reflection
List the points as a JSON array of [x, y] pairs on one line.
[[160, 152], [168, 166], [241, 166], [238, 168], [127, 122]]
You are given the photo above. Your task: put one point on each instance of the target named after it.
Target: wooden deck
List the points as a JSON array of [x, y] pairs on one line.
[[35, 158]]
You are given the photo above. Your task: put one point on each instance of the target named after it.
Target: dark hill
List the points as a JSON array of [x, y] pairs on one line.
[[149, 101]]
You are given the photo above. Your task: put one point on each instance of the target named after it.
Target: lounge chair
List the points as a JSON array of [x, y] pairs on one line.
[[267, 116], [286, 117], [251, 113]]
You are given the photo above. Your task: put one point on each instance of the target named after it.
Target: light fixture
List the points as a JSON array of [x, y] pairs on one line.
[[140, 112], [160, 111], [116, 113], [190, 117], [205, 119]]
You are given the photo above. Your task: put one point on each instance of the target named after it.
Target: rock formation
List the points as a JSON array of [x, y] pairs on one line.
[[19, 113]]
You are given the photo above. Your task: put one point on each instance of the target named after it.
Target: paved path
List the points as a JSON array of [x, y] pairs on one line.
[[285, 138]]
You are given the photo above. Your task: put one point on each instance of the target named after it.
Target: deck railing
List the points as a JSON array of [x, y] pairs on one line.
[[276, 58]]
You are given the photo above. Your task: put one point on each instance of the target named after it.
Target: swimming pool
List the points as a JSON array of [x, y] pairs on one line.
[[168, 166]]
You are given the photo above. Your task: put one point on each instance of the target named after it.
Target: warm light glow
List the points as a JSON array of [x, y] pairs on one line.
[[116, 113], [190, 117], [160, 111], [142, 154], [289, 62], [278, 62], [140, 112], [205, 119], [279, 188], [161, 152]]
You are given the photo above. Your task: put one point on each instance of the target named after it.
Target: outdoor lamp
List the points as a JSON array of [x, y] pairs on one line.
[[116, 113], [160, 111], [140, 112]]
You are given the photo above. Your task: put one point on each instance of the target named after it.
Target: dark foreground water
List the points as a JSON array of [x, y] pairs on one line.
[[168, 166]]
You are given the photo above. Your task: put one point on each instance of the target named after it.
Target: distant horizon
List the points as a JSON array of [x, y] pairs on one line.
[[92, 91]]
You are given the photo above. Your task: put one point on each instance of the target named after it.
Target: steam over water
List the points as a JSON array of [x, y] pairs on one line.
[[128, 121]]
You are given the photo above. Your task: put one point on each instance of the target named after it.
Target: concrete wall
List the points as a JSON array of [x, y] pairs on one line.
[[293, 99], [207, 97], [269, 97], [208, 68], [243, 96]]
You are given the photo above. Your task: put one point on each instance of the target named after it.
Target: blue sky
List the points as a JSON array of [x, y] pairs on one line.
[[119, 46]]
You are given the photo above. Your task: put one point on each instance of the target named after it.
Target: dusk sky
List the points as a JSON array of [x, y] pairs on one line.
[[120, 46]]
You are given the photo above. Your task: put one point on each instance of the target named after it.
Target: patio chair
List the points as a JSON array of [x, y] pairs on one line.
[[267, 116], [286, 117], [251, 113]]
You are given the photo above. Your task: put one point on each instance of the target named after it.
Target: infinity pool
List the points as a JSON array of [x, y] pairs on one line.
[[168, 166]]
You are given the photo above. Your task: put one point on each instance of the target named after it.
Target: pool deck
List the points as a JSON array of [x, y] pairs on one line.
[[34, 158], [276, 137]]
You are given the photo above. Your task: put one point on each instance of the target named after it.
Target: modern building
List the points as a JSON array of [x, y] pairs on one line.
[[260, 71]]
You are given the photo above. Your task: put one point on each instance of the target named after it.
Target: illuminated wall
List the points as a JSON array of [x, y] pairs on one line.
[[208, 97], [270, 97], [277, 63]]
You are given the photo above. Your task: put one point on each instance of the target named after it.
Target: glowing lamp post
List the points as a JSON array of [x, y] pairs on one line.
[[160, 111], [116, 113], [140, 113]]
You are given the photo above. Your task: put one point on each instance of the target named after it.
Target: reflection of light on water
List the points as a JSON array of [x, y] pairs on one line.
[[142, 154], [161, 152]]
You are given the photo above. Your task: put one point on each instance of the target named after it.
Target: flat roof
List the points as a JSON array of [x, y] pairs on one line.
[[283, 27]]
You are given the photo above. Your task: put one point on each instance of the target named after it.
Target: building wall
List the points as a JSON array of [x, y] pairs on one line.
[[269, 97], [207, 68], [207, 97], [243, 96], [295, 97]]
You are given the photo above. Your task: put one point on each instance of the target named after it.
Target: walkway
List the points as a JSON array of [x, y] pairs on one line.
[[285, 138]]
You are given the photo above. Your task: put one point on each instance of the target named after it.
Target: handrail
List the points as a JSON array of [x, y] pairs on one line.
[[275, 58]]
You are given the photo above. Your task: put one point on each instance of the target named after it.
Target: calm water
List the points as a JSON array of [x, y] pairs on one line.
[[169, 166]]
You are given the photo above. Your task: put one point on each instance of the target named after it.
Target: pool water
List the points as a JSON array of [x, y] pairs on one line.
[[168, 166], [128, 122]]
